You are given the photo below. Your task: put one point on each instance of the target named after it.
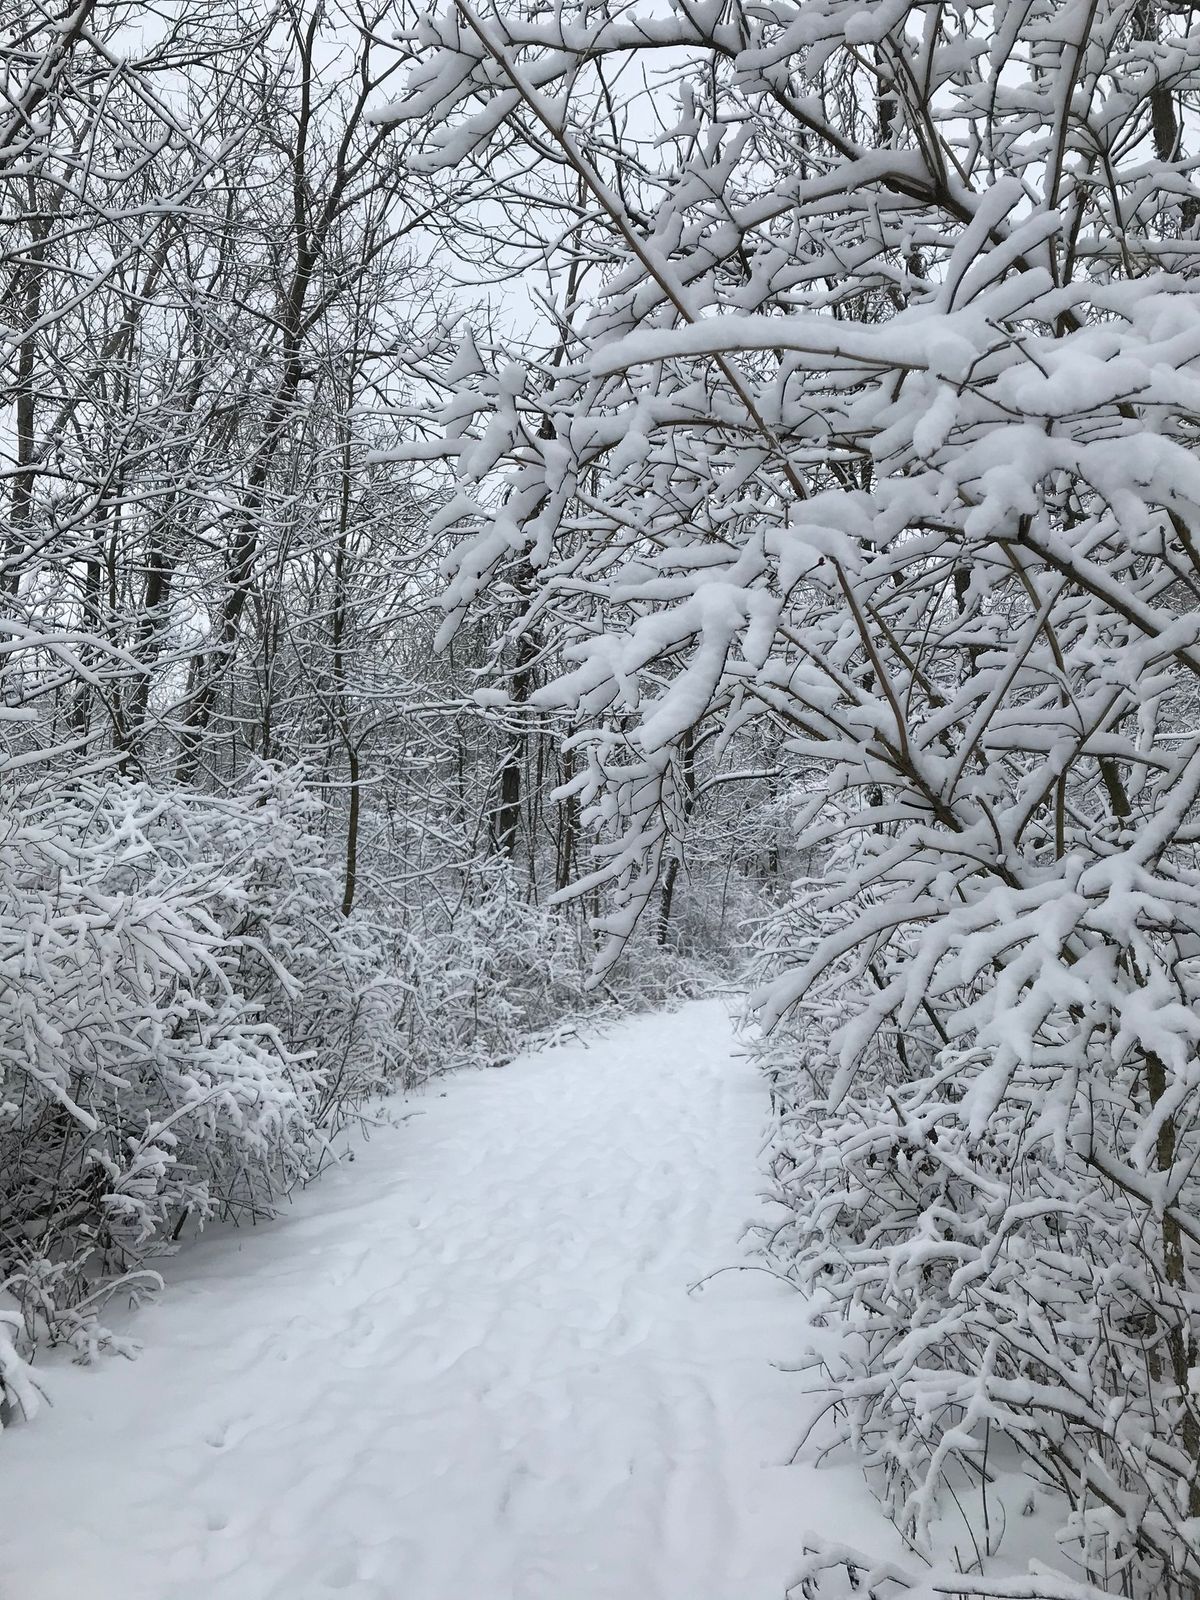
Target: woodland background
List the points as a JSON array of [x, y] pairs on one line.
[[517, 511]]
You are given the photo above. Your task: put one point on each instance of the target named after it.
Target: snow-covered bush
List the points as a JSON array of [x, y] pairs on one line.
[[480, 984], [186, 1017], [993, 1190], [182, 1016]]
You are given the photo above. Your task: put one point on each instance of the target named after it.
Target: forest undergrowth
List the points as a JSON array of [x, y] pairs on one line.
[[199, 1022], [734, 465]]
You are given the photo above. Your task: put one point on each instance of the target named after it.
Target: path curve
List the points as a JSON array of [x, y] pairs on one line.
[[466, 1366]]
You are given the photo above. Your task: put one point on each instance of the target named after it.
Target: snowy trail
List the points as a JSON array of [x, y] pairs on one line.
[[464, 1367]]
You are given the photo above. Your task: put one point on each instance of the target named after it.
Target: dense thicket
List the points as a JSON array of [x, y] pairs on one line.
[[834, 521], [262, 852], [868, 438]]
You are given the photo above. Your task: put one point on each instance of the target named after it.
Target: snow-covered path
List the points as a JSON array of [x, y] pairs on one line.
[[464, 1367]]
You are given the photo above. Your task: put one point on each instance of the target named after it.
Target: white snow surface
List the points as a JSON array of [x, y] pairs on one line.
[[468, 1365]]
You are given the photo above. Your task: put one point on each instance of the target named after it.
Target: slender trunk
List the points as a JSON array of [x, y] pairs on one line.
[[1164, 118], [33, 273], [506, 818], [341, 688], [687, 767], [351, 873], [568, 831], [666, 900], [1175, 1271]]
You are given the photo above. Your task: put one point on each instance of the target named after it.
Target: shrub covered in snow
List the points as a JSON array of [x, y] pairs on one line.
[[499, 970], [183, 1015], [993, 1194], [187, 1016]]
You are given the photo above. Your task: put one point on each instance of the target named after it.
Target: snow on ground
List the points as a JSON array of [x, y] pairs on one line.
[[466, 1366]]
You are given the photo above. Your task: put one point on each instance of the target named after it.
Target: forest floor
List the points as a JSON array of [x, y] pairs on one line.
[[470, 1364]]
